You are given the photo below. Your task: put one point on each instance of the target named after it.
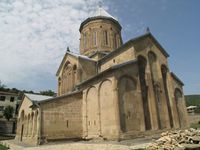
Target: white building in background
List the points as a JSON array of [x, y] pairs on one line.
[[191, 109], [8, 99]]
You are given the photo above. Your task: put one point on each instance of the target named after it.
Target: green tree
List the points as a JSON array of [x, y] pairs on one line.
[[8, 112], [2, 86], [48, 93]]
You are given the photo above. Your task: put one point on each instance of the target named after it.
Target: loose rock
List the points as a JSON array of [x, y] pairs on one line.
[[176, 140]]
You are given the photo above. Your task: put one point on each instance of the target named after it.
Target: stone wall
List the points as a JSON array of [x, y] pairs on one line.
[[126, 55], [7, 127], [62, 118], [194, 118], [116, 104]]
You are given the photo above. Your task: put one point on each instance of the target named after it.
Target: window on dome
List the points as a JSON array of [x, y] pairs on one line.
[[105, 35], [84, 40], [95, 38]]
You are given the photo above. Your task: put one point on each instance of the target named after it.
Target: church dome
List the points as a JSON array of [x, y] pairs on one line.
[[100, 32]]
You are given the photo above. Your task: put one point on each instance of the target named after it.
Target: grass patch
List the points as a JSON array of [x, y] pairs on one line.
[[3, 147], [195, 125]]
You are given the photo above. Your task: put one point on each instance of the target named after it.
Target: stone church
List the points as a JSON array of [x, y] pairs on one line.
[[111, 90]]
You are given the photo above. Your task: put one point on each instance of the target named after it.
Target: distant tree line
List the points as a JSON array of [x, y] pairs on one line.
[[21, 92]]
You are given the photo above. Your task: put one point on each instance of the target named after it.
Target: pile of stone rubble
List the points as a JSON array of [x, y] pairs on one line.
[[177, 140]]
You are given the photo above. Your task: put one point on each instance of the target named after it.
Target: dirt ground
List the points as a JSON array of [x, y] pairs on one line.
[[83, 145]]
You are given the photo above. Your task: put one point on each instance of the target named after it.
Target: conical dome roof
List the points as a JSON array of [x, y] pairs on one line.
[[100, 13]]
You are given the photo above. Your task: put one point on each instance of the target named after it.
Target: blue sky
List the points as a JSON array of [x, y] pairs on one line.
[[34, 35], [175, 24]]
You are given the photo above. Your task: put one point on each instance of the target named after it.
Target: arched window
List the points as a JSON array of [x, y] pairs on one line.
[[178, 94], [74, 67], [59, 86], [153, 67], [68, 78], [85, 40], [22, 116]]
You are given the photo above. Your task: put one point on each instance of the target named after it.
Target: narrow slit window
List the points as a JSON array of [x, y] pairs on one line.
[[106, 37], [95, 38], [84, 40], [115, 41]]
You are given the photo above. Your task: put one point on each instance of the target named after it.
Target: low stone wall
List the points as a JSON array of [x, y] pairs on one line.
[[7, 127], [194, 118]]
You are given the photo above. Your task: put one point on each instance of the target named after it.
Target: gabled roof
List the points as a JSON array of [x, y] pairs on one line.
[[59, 97], [73, 55], [112, 68], [98, 52], [176, 78], [36, 97], [118, 50]]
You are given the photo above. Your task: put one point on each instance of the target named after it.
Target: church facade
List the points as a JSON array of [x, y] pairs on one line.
[[111, 90]]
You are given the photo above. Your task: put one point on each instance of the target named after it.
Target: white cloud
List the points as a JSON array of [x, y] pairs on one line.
[[34, 35]]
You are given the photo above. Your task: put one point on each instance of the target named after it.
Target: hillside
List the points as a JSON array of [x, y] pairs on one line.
[[192, 100]]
